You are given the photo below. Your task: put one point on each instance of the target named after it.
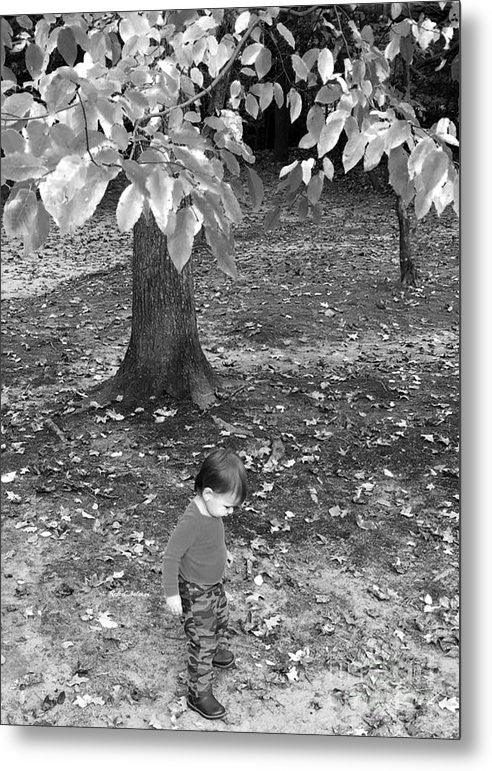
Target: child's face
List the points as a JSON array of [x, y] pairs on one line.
[[219, 504]]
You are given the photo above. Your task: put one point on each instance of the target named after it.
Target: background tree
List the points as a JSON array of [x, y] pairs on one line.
[[142, 94]]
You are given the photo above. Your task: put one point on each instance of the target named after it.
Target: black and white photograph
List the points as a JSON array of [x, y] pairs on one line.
[[230, 262]]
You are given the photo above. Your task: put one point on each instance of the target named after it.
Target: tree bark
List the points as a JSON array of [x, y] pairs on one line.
[[408, 272], [164, 354]]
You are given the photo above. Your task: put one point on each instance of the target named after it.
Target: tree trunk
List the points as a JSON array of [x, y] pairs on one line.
[[408, 272], [164, 354]]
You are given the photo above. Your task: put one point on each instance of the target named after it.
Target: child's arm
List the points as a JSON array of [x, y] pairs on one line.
[[174, 605], [183, 536]]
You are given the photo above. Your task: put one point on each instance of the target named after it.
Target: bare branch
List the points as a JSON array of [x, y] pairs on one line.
[[85, 129]]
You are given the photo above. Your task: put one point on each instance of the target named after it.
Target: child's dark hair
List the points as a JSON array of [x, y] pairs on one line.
[[223, 472]]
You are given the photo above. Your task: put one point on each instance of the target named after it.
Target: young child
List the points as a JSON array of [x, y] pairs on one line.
[[194, 562]]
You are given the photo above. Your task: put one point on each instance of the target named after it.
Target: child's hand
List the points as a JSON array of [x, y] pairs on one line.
[[174, 604]]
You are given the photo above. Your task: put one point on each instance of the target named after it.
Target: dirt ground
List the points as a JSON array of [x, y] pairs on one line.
[[339, 390]]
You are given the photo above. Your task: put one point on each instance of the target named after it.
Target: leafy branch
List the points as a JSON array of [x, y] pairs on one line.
[[211, 86]]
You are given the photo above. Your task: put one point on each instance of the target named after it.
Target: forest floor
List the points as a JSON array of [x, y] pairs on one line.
[[341, 392]]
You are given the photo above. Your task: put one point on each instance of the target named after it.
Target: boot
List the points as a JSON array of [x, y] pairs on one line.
[[206, 705], [223, 659]]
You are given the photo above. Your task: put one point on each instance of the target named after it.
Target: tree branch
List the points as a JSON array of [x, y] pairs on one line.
[[85, 129], [341, 31]]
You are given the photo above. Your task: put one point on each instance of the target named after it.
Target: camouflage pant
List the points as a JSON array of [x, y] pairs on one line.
[[205, 619]]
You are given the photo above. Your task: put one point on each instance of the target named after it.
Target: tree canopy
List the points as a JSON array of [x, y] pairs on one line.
[[87, 96]]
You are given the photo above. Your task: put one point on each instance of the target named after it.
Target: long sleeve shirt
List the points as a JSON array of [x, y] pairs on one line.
[[196, 550]]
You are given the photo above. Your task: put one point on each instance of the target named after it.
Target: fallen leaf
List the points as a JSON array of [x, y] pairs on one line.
[[452, 704], [106, 622], [292, 674], [365, 524]]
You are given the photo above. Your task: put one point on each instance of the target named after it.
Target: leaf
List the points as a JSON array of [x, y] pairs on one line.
[[19, 166], [106, 622], [307, 141], [251, 105], [120, 136], [306, 167], [34, 60], [114, 415], [36, 237], [230, 162], [129, 208], [328, 94], [264, 91], [249, 54], [325, 64], [367, 34], [272, 219], [286, 34], [222, 246], [398, 174], [434, 170], [419, 155], [315, 188], [263, 62], [133, 24], [71, 193], [24, 21], [398, 133], [374, 151], [256, 188], [230, 203], [8, 477], [19, 213], [180, 243], [160, 186], [292, 675], [242, 22], [452, 704], [315, 120], [331, 131], [12, 142], [17, 104], [299, 67], [328, 169], [295, 102], [395, 10], [353, 151], [365, 524], [278, 94], [67, 45], [287, 169]]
